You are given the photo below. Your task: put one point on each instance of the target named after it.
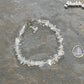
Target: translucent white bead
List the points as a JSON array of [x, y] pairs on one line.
[[41, 65], [39, 21], [22, 61], [17, 41], [68, 2], [59, 37], [66, 6], [61, 47], [35, 29], [61, 52], [82, 5], [50, 25], [19, 57], [22, 31], [47, 23], [49, 62], [60, 40]]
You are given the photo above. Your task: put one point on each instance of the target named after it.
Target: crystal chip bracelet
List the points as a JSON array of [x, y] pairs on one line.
[[73, 4], [18, 42]]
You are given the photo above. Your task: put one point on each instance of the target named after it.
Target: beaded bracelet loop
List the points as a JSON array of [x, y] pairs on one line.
[[18, 42]]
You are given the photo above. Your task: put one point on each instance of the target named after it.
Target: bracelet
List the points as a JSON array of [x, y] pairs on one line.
[[18, 43], [73, 4]]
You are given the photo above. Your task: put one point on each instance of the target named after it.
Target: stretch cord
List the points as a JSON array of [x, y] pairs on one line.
[[18, 43]]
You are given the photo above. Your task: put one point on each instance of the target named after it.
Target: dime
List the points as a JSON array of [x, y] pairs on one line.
[[77, 51]]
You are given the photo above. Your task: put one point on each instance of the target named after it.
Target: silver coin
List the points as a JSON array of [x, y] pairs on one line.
[[78, 51]]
